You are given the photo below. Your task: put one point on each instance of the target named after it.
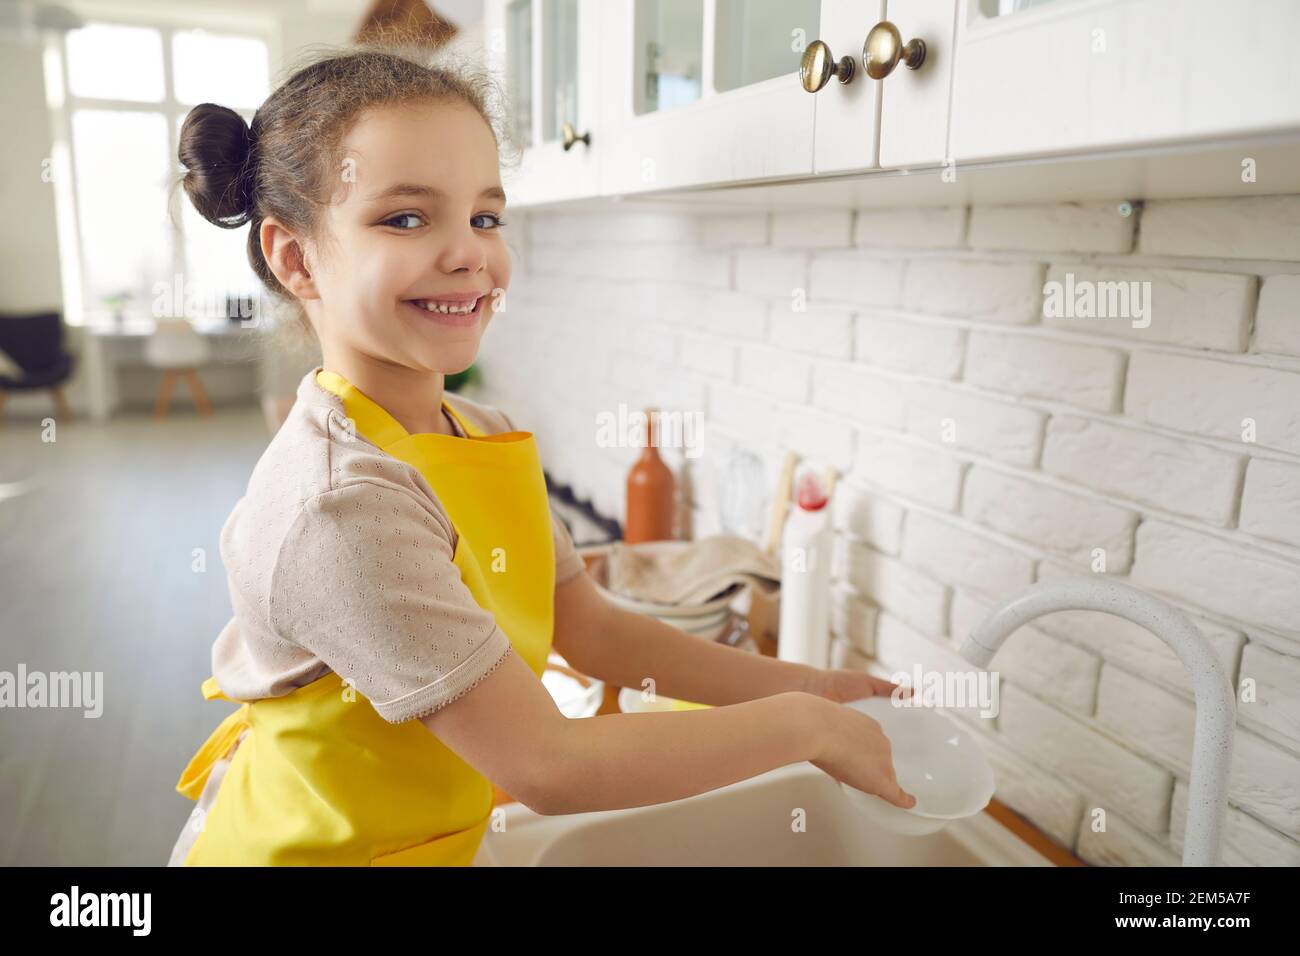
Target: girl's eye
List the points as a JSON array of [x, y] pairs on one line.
[[401, 215], [497, 221]]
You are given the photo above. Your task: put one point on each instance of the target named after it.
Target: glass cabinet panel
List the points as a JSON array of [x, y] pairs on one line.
[[750, 41], [519, 69], [559, 66], [756, 40], [669, 54]]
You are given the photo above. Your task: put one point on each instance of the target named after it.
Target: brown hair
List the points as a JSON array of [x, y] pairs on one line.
[[283, 164]]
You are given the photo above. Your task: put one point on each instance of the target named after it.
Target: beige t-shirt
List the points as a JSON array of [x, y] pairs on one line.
[[339, 558]]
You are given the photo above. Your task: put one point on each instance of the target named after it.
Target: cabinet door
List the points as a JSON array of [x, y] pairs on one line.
[[914, 103], [546, 54], [1037, 77], [847, 134], [901, 119], [705, 92]]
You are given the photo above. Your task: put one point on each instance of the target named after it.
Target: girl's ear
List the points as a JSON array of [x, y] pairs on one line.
[[286, 258]]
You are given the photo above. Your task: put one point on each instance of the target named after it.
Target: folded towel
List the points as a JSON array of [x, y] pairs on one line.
[[689, 573]]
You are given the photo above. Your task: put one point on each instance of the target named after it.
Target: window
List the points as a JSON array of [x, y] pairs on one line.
[[129, 87]]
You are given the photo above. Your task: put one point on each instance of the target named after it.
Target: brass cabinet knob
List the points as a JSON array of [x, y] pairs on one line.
[[818, 66], [571, 136], [884, 47]]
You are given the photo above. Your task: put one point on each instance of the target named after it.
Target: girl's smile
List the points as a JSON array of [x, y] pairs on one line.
[[450, 312]]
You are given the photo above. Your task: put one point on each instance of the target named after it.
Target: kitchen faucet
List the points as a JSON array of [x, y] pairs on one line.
[[1216, 705]]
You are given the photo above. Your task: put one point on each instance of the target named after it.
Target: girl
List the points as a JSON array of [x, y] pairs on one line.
[[397, 577]]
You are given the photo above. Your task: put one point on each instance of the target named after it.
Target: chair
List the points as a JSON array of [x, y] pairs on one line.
[[34, 341], [178, 351]]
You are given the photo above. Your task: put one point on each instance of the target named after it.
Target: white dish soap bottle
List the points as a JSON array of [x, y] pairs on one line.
[[804, 624]]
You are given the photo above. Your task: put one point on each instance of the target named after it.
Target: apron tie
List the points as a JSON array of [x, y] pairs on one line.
[[218, 744]]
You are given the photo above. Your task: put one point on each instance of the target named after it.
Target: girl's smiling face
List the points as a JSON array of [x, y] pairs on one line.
[[418, 222]]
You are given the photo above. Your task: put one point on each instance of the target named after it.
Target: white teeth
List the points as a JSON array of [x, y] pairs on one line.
[[447, 309]]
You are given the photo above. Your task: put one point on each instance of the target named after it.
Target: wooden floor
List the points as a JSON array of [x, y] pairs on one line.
[[97, 574]]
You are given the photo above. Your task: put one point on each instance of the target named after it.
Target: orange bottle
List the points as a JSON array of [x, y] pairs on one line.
[[651, 492]]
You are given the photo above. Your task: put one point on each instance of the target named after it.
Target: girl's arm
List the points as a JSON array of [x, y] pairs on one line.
[[624, 648], [510, 730]]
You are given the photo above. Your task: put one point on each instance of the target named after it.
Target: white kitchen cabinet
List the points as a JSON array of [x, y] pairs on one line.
[[1043, 77], [700, 105], [703, 92], [546, 54], [665, 96], [901, 118]]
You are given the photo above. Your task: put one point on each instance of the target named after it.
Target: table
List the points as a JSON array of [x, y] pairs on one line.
[[110, 345]]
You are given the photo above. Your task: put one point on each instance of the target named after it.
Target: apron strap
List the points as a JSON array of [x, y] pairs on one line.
[[212, 691], [218, 744], [471, 430]]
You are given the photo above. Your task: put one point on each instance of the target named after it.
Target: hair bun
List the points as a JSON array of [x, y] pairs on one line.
[[216, 147]]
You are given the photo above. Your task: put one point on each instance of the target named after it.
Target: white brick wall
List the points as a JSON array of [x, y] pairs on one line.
[[987, 291], [854, 390], [1054, 806], [847, 276], [984, 446], [1277, 323], [814, 331], [1124, 783], [1267, 227], [959, 556], [932, 350], [1216, 399], [1220, 575], [1066, 524], [1059, 227], [931, 228], [808, 230], [1034, 367], [967, 420], [1270, 506], [1201, 310], [911, 469], [1199, 481]]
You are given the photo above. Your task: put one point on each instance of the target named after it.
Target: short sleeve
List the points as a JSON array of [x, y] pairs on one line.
[[365, 581]]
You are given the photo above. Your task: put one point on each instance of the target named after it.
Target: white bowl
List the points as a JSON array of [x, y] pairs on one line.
[[575, 696], [935, 759]]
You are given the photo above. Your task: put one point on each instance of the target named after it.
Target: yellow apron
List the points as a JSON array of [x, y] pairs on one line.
[[321, 778]]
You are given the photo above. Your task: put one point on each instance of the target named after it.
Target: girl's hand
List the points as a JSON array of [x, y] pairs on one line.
[[854, 750], [843, 686]]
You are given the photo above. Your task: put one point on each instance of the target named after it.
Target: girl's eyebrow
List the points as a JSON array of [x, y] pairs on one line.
[[415, 189]]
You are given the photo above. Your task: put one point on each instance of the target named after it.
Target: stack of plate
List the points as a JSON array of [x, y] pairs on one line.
[[708, 621]]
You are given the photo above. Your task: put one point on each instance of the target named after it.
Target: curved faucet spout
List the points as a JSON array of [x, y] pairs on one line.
[[1216, 705]]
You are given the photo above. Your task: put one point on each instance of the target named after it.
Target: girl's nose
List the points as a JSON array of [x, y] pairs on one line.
[[463, 250]]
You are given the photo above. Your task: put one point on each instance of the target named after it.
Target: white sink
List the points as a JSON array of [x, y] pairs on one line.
[[746, 824]]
